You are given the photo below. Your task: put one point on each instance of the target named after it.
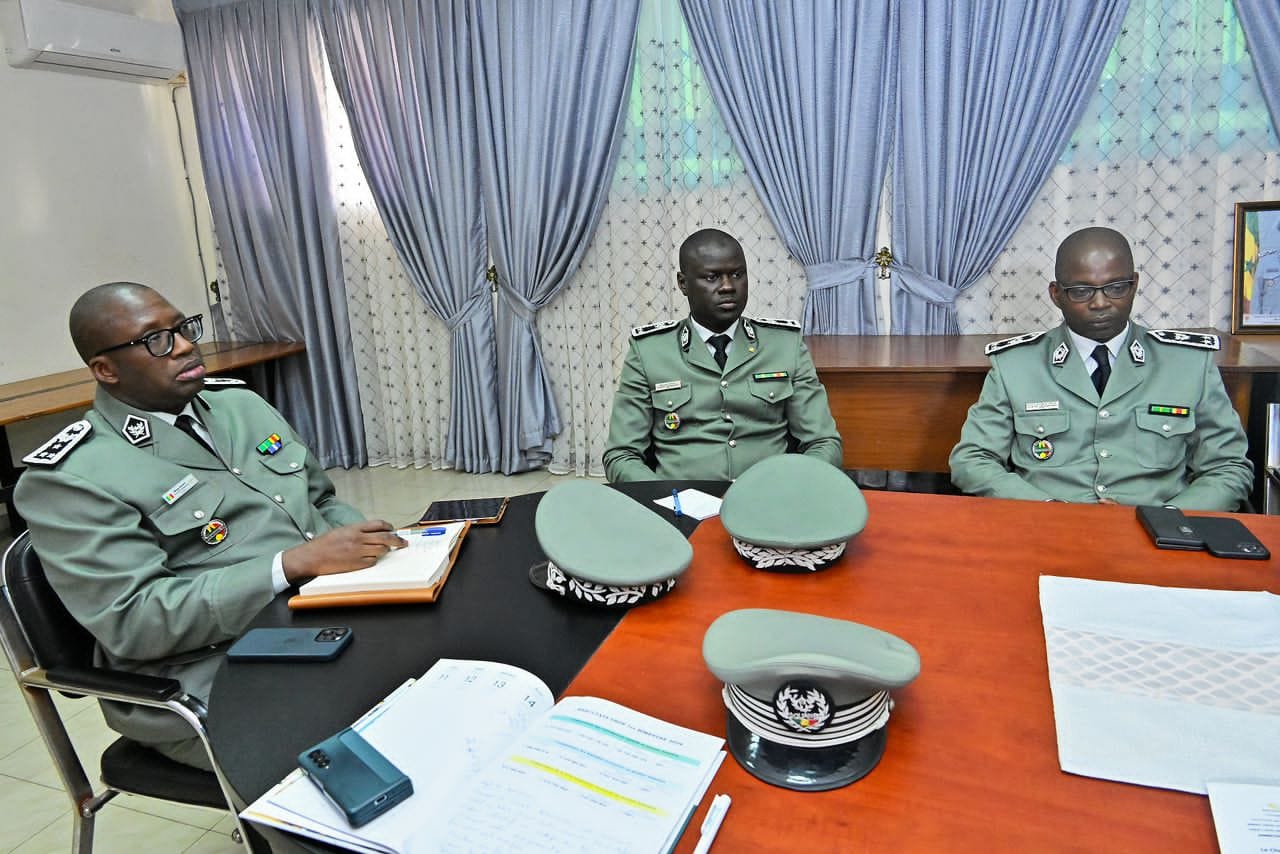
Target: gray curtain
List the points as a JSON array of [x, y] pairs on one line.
[[253, 66], [807, 92], [989, 93], [551, 81], [1260, 20], [404, 73]]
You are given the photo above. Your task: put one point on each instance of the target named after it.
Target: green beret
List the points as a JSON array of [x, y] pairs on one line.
[[806, 697], [793, 513], [605, 548]]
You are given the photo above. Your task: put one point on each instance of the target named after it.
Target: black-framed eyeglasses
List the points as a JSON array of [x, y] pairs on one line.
[[1084, 293], [160, 342]]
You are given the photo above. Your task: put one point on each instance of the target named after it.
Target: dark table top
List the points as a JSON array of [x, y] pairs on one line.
[[261, 715]]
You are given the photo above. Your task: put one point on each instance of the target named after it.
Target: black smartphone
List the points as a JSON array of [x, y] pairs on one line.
[[481, 511], [1229, 538], [355, 777], [1169, 528], [283, 643]]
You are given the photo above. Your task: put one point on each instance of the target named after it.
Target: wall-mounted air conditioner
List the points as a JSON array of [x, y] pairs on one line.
[[62, 36]]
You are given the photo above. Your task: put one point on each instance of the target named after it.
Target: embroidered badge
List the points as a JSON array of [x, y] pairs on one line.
[[223, 381], [1015, 341], [1043, 406], [1166, 409], [60, 445], [671, 420], [270, 445], [684, 338], [770, 375], [748, 329], [667, 386], [214, 533], [650, 328], [783, 322], [1060, 354], [1042, 449], [1198, 340], [137, 430], [1139, 355], [179, 489], [802, 707]]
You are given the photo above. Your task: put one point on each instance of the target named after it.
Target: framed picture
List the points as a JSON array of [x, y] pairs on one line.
[[1255, 278]]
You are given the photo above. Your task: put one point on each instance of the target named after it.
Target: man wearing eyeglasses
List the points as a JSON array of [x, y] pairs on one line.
[[173, 513], [1100, 409]]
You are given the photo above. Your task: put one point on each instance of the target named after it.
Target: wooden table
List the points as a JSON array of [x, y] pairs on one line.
[[74, 389], [971, 762], [899, 401]]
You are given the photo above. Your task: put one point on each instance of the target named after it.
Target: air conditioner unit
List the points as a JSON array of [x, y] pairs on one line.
[[61, 36]]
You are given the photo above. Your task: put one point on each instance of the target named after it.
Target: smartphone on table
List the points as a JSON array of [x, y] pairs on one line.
[[288, 643]]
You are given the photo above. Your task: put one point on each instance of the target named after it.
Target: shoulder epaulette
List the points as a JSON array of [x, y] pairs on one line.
[[219, 382], [60, 445], [1199, 340], [1015, 341], [650, 328], [774, 321]]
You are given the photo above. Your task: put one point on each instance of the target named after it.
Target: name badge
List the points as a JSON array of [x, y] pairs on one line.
[[667, 386], [1043, 406], [179, 489]]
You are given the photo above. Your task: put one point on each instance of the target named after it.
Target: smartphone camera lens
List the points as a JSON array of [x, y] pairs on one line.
[[320, 758]]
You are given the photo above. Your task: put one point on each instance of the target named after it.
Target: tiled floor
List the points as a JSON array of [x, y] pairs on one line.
[[36, 812]]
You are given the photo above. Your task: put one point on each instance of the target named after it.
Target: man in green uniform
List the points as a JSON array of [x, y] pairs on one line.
[[165, 536], [707, 396], [1100, 409]]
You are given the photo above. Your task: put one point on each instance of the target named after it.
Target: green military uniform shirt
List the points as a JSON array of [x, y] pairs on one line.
[[705, 424], [161, 550], [1163, 432]]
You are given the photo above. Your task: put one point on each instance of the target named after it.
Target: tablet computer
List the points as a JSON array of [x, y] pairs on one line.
[[481, 511]]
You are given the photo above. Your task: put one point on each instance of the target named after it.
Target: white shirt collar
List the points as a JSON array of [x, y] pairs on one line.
[[704, 333], [1085, 346], [171, 419]]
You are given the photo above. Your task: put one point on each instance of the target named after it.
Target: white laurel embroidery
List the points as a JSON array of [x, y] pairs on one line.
[[763, 557], [603, 594], [802, 712]]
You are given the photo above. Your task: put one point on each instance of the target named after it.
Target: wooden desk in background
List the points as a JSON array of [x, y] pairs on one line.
[[899, 401], [74, 389], [971, 762]]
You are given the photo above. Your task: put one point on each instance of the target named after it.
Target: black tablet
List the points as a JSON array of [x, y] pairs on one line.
[[481, 511]]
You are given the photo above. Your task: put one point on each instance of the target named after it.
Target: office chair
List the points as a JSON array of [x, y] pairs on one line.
[[49, 651]]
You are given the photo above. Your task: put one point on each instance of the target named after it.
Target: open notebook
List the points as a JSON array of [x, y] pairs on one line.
[[412, 574]]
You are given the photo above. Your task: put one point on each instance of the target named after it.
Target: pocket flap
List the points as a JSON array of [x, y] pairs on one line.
[[1041, 423], [673, 398], [1165, 425], [191, 511], [291, 458]]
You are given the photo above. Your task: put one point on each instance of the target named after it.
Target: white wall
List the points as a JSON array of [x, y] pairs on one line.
[[92, 189]]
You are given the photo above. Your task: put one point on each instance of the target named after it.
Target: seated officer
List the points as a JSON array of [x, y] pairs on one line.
[[162, 537], [1099, 409], [709, 395]]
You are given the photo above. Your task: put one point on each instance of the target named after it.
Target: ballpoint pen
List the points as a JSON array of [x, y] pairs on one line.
[[711, 824], [675, 501]]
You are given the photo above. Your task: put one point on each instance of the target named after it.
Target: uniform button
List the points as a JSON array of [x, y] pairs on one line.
[[1104, 453], [293, 465], [279, 499], [310, 535], [771, 395], [668, 403], [1102, 487], [1039, 428], [235, 471], [199, 514], [733, 443], [1105, 413], [728, 417], [724, 383], [1165, 427]]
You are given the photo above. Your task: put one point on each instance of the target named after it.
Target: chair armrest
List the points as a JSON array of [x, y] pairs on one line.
[[114, 683]]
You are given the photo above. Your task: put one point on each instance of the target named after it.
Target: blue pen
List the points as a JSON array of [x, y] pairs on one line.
[[432, 532], [675, 501]]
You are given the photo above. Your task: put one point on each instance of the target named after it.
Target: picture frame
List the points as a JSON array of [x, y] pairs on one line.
[[1255, 271]]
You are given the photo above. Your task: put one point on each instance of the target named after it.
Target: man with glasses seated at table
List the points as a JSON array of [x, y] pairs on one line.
[[1099, 409], [171, 515]]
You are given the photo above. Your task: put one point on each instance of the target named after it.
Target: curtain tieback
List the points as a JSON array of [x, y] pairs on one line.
[[835, 274], [475, 303], [515, 301], [928, 288]]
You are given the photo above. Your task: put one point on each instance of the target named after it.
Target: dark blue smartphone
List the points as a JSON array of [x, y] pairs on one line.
[[283, 643], [355, 777]]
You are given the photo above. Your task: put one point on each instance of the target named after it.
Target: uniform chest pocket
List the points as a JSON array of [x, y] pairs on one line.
[[1162, 439], [672, 399], [772, 390], [290, 459], [1037, 438], [190, 529]]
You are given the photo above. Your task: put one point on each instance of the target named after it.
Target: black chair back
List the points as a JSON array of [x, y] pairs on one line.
[[55, 638]]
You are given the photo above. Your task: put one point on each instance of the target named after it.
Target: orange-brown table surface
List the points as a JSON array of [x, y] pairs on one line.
[[971, 762]]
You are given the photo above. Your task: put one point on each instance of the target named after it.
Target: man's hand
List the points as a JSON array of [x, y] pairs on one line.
[[343, 549]]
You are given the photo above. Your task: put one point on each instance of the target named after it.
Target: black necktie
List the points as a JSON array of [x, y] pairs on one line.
[[1102, 373], [186, 424], [721, 345]]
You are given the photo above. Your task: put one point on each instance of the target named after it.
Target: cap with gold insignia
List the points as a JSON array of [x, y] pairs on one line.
[[792, 513], [604, 548], [806, 697]]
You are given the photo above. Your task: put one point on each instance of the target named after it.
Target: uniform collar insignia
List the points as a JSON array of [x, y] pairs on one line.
[[1060, 354], [748, 329], [1139, 355], [137, 430], [685, 337]]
